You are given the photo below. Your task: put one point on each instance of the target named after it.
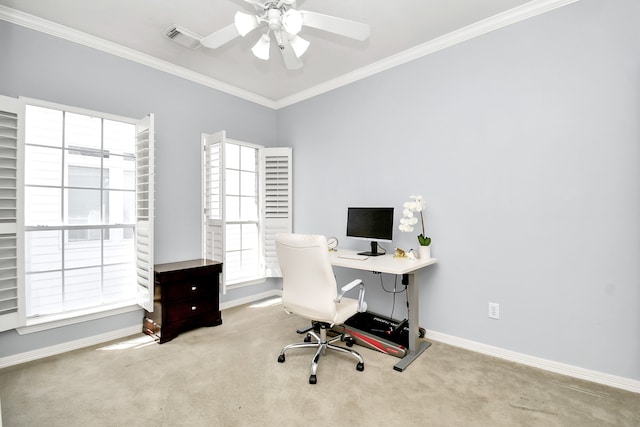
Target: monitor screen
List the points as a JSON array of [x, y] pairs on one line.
[[370, 223]]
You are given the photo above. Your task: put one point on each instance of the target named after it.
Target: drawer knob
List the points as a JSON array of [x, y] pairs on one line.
[[193, 288], [193, 308]]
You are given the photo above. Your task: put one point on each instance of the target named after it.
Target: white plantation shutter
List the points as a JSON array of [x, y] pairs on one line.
[[144, 211], [277, 192], [9, 222], [275, 199], [213, 193]]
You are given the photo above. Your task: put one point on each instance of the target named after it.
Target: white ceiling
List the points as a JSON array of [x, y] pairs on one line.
[[401, 30]]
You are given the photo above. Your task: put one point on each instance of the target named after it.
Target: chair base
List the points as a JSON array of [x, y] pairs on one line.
[[321, 345]]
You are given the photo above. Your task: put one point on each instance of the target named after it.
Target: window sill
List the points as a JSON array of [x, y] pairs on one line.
[[246, 282], [44, 323]]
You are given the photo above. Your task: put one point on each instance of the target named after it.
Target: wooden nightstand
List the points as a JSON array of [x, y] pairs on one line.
[[186, 296]]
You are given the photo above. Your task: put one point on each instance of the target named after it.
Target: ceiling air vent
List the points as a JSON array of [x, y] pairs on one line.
[[183, 37]]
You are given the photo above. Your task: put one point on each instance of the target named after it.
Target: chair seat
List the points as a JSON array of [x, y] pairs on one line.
[[344, 310]]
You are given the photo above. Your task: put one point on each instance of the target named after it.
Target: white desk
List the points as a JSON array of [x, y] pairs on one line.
[[389, 264]]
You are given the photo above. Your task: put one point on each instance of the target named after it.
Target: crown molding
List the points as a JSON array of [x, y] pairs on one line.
[[511, 16], [517, 14], [64, 32]]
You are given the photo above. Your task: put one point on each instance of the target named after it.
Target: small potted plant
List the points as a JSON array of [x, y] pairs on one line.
[[409, 219]]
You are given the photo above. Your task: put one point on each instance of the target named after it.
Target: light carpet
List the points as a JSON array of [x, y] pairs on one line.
[[229, 376]]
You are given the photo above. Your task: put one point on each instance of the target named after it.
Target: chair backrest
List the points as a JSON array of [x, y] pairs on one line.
[[308, 285]]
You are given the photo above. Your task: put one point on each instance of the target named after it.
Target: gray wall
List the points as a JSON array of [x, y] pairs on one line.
[[39, 66], [525, 143]]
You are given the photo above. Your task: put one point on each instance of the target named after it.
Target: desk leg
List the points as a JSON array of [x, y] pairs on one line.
[[416, 346]]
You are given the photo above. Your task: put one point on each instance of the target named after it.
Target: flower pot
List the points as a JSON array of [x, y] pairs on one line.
[[424, 252]]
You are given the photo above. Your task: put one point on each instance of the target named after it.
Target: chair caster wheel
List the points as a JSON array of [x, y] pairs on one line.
[[360, 366], [281, 358], [313, 379], [307, 338], [349, 341]]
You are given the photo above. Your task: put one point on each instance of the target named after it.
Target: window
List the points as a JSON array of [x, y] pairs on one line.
[[78, 237], [242, 228], [76, 211], [242, 216]]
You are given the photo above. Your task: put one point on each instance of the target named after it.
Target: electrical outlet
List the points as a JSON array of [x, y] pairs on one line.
[[494, 310]]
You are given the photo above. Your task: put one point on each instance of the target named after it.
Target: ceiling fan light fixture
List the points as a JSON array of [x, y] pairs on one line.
[[299, 45], [245, 23], [261, 48], [292, 21], [281, 21]]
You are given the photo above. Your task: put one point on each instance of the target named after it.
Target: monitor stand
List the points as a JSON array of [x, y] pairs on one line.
[[374, 250]]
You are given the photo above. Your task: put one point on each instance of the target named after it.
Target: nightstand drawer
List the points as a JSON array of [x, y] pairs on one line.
[[191, 290], [187, 310]]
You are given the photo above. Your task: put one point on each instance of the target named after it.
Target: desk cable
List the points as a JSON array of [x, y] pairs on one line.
[[384, 249], [394, 291]]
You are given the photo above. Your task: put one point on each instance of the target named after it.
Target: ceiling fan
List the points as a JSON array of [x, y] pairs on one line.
[[283, 22]]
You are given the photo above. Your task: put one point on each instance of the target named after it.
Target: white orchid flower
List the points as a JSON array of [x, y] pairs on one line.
[[405, 221], [411, 206], [406, 228], [416, 204]]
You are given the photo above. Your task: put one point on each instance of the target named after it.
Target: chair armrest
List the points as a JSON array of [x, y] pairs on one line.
[[362, 305], [349, 286]]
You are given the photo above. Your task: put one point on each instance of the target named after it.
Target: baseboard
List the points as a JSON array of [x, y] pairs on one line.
[[251, 298], [28, 356], [536, 362]]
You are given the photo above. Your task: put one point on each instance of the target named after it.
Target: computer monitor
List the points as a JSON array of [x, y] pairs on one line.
[[371, 224]]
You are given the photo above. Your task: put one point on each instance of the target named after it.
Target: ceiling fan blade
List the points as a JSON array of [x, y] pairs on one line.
[[344, 27], [220, 37], [291, 60]]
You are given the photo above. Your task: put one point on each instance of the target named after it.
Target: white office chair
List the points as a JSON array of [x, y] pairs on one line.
[[310, 291]]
